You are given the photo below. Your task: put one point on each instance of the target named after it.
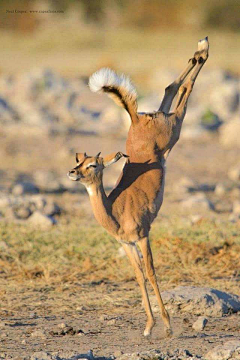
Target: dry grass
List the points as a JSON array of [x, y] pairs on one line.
[[204, 254]]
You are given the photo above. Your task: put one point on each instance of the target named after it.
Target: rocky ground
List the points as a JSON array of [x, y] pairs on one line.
[[114, 330]]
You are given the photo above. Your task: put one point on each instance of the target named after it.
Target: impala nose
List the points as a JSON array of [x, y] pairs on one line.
[[71, 172]]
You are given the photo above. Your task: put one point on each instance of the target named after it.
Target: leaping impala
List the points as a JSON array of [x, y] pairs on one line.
[[131, 207]]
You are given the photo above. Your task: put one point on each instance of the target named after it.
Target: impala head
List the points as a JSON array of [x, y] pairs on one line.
[[89, 169]]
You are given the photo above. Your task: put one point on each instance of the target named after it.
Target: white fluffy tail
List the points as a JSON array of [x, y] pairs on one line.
[[119, 88]]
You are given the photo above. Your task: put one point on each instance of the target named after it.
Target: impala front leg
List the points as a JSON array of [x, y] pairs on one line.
[[133, 255], [150, 271]]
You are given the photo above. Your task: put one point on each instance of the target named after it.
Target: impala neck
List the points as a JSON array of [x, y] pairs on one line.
[[102, 207]]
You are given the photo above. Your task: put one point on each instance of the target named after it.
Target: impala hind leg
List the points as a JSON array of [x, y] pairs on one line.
[[133, 255], [172, 89], [150, 271], [186, 89]]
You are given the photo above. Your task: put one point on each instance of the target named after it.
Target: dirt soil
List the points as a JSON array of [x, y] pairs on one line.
[[108, 320]]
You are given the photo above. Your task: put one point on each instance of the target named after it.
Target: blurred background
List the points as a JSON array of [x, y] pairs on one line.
[[47, 113]]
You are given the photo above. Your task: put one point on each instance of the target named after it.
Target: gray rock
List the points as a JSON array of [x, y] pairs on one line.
[[22, 212], [121, 252], [117, 353], [193, 133], [200, 324], [184, 185], [4, 201], [25, 188], [199, 301], [40, 220], [234, 173], [229, 134], [198, 202], [51, 208], [196, 218], [177, 354], [62, 325], [3, 356], [227, 351], [39, 201], [47, 181], [146, 355], [38, 334], [220, 189], [41, 355]]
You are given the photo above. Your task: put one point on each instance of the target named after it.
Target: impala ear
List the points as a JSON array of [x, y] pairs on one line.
[[80, 157], [112, 158]]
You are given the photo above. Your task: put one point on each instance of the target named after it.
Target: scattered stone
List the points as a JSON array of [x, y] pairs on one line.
[[4, 201], [199, 301], [146, 355], [62, 325], [64, 329], [220, 189], [43, 221], [103, 318], [236, 207], [51, 208], [47, 181], [229, 134], [25, 188], [200, 324], [2, 324], [185, 185], [177, 354], [38, 201], [38, 333], [197, 201], [121, 252], [234, 173], [111, 322], [227, 351], [196, 218], [41, 355], [21, 212], [118, 353], [193, 132]]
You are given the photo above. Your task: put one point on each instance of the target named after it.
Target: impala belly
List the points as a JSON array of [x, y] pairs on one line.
[[136, 207]]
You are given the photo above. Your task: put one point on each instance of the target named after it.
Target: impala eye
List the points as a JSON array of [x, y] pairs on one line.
[[94, 166]]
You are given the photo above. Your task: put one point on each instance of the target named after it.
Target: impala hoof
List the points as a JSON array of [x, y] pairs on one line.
[[147, 332], [203, 44]]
